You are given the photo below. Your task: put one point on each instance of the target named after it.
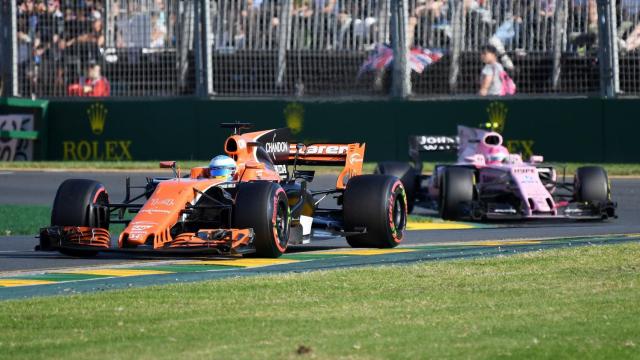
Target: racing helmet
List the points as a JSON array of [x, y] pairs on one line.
[[222, 166], [496, 155], [491, 148]]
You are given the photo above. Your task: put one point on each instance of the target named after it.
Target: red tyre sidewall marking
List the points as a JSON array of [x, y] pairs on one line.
[[98, 193], [392, 198], [274, 220]]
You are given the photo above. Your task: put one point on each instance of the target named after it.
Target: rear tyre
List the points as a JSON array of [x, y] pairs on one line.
[[456, 189], [407, 174], [72, 207], [377, 203], [263, 206], [591, 184]]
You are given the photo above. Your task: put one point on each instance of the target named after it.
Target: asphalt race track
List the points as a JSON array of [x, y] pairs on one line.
[[39, 187]]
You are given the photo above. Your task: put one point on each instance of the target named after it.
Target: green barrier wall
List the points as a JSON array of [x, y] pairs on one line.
[[581, 130]]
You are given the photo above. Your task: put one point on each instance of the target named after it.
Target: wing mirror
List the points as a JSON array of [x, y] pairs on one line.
[[170, 165], [536, 159]]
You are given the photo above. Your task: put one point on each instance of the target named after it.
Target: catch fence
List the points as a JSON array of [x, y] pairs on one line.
[[316, 48]]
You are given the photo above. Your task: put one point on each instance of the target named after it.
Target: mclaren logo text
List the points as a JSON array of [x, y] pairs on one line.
[[326, 149]]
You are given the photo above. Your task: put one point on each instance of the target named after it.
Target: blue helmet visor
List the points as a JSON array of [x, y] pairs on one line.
[[220, 171], [497, 157]]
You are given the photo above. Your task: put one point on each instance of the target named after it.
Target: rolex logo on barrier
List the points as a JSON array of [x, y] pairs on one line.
[[294, 115], [497, 120], [96, 148], [97, 114], [497, 112]]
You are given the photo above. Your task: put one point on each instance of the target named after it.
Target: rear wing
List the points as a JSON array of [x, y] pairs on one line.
[[275, 144], [465, 143], [433, 143], [325, 154], [350, 156], [429, 144]]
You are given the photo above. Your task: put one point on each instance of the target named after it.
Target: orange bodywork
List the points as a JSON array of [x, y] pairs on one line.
[[205, 238], [162, 210], [82, 236]]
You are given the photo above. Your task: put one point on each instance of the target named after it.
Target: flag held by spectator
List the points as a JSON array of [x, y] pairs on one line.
[[382, 57]]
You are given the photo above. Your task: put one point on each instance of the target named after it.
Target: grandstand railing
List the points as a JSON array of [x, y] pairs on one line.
[[312, 48]]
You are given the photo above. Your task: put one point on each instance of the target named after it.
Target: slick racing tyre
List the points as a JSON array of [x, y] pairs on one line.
[[377, 204], [406, 173], [263, 206], [72, 207], [456, 189], [591, 184]]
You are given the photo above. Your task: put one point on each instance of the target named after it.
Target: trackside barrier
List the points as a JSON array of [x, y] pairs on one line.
[[580, 130]]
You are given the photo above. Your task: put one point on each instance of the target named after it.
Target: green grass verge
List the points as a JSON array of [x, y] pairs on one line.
[[612, 169], [571, 303], [28, 219], [23, 219]]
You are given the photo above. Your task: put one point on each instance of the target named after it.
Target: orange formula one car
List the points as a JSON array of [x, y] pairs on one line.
[[260, 208]]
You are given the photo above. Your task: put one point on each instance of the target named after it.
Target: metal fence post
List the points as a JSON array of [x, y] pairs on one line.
[[559, 38], [8, 49], [614, 49], [109, 25], [607, 49], [186, 42], [4, 39], [283, 40], [458, 27], [208, 47], [401, 80], [198, 47]]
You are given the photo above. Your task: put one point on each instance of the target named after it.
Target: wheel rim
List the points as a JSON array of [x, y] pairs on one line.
[[399, 217], [281, 224]]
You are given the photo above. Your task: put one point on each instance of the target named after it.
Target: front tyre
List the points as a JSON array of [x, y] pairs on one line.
[[456, 190], [74, 205], [263, 206], [591, 184], [377, 203]]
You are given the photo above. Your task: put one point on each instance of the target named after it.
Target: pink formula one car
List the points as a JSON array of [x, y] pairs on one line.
[[487, 182]]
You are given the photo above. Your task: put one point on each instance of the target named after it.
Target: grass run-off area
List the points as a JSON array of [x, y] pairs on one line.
[[612, 169], [576, 303], [28, 219], [23, 219]]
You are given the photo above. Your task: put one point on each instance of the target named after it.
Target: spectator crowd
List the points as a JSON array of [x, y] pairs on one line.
[[58, 39], [60, 42]]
